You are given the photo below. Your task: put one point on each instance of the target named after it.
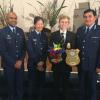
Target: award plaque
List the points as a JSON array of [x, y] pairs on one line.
[[72, 58]]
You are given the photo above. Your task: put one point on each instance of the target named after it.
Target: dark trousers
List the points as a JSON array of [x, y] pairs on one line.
[[36, 84], [87, 81], [61, 73], [14, 79]]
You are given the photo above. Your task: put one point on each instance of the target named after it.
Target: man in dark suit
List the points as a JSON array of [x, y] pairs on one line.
[[88, 42], [13, 53], [61, 71], [37, 46]]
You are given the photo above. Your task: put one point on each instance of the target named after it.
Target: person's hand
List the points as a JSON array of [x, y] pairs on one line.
[[40, 66], [98, 70], [72, 66], [18, 64]]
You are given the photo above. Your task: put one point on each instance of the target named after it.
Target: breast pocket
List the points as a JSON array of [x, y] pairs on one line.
[[95, 41], [8, 39], [19, 36], [34, 41], [44, 43]]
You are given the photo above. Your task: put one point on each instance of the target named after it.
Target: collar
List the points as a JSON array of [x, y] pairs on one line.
[[63, 31], [37, 32], [90, 27], [12, 28]]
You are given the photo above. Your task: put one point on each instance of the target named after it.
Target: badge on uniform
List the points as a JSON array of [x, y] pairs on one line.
[[72, 58], [8, 37], [35, 40]]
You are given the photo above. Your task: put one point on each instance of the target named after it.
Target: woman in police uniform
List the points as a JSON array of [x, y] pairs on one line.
[[37, 52]]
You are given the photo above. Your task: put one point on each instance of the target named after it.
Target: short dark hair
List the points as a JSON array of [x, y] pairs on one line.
[[90, 10], [37, 18]]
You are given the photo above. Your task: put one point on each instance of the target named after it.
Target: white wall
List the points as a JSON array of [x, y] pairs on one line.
[[22, 9]]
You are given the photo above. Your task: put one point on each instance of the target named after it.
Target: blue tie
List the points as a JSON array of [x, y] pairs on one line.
[[14, 30], [87, 30]]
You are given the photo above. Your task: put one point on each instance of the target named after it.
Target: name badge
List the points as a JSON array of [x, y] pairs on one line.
[[95, 37], [34, 40]]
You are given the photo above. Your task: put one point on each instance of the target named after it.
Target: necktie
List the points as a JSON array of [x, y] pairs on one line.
[[87, 30], [62, 38], [14, 30]]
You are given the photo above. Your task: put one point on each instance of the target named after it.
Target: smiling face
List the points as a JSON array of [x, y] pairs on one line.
[[12, 19], [89, 18], [39, 25], [64, 22]]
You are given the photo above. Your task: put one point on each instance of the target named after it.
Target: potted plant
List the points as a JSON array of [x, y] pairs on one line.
[[50, 11], [3, 11]]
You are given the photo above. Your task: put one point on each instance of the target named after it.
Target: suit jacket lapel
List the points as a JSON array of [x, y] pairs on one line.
[[59, 36], [82, 34], [93, 29], [68, 34], [9, 30]]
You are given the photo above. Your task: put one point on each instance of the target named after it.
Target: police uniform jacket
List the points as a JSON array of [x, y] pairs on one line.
[[12, 45], [89, 45], [37, 46]]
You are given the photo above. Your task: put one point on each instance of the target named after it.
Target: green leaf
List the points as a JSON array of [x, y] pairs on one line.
[[40, 3], [29, 4]]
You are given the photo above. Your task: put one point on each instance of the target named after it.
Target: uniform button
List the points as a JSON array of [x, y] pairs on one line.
[[83, 40], [83, 53], [41, 48], [16, 55], [83, 46], [16, 46], [16, 41], [16, 51], [17, 33], [83, 58]]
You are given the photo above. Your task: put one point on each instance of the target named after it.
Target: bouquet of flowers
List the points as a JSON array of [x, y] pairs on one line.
[[55, 53]]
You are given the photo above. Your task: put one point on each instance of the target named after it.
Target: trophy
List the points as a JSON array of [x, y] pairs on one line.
[[72, 58]]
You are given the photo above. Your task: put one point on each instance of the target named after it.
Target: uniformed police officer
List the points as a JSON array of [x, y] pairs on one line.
[[37, 53], [88, 41], [13, 53]]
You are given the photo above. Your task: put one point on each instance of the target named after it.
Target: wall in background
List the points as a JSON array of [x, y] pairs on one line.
[[24, 8]]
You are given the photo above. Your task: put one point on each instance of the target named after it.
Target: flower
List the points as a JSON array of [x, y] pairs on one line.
[[55, 53]]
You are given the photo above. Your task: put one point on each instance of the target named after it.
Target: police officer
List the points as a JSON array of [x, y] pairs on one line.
[[37, 46], [13, 53], [88, 42]]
